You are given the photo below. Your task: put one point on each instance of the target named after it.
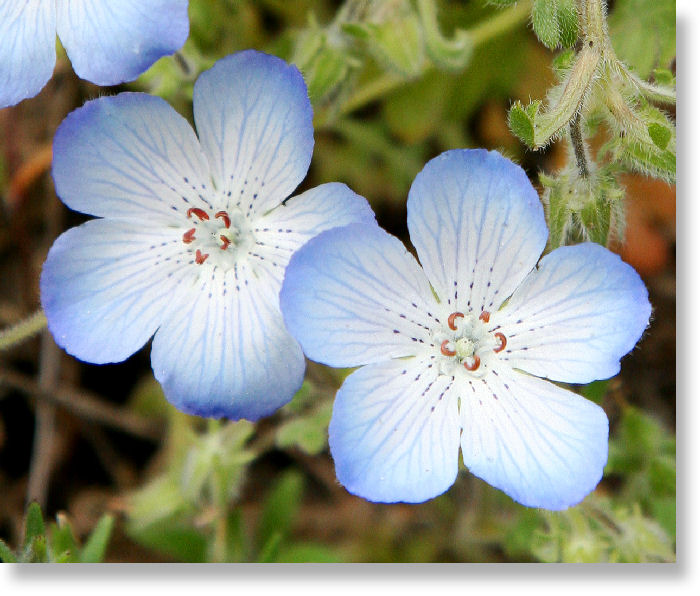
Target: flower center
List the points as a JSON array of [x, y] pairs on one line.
[[468, 343], [218, 238]]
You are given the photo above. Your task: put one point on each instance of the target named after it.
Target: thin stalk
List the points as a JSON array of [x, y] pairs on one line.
[[579, 147], [22, 330]]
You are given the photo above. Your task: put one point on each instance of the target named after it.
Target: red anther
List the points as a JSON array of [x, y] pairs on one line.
[[200, 213], [451, 320], [485, 316], [502, 339], [199, 258], [444, 350], [474, 365], [188, 236], [225, 242], [223, 215]]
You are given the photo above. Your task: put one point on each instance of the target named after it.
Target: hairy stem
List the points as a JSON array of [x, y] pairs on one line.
[[22, 330]]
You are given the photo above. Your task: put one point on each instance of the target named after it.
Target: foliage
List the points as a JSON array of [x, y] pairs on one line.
[[57, 543]]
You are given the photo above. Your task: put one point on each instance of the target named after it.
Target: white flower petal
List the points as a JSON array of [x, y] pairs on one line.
[[129, 155], [27, 48], [477, 225], [575, 316], [543, 446], [394, 433], [253, 118], [284, 229], [105, 285], [354, 295], [224, 351], [109, 42]]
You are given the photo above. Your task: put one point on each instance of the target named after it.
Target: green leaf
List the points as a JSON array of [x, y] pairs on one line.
[[6, 554], [96, 545], [37, 552], [172, 537], [521, 122], [269, 550], [545, 22], [595, 217], [64, 548], [280, 508], [660, 135], [308, 433], [308, 553], [33, 524], [643, 33], [567, 17]]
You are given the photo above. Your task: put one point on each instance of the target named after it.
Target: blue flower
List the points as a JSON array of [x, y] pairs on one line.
[[108, 42], [451, 353], [194, 235]]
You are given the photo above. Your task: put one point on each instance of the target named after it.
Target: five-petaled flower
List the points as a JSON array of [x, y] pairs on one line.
[[107, 41], [194, 236], [452, 352]]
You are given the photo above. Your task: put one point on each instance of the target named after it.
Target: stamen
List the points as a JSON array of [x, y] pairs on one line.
[[476, 361], [223, 215], [199, 258], [485, 316], [444, 350], [188, 236], [451, 320], [200, 213], [502, 341], [225, 242]]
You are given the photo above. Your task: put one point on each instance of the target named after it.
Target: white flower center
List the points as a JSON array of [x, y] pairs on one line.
[[217, 238], [468, 344]]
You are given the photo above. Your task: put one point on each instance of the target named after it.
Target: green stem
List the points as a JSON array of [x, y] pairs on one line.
[[22, 330], [501, 23]]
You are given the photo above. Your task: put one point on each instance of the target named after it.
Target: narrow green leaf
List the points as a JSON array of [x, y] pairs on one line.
[[33, 523], [96, 544], [6, 554], [268, 552], [280, 508], [38, 550], [63, 544]]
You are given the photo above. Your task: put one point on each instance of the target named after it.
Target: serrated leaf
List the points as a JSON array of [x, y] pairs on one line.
[[33, 524], [521, 123], [545, 22], [96, 545], [6, 554]]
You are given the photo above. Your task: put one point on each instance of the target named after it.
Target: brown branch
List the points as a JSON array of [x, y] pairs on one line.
[[86, 406]]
